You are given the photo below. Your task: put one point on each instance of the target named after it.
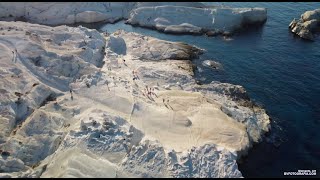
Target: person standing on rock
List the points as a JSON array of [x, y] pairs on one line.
[[71, 94], [145, 91], [135, 74], [12, 56], [154, 92], [107, 85], [134, 77], [124, 61]]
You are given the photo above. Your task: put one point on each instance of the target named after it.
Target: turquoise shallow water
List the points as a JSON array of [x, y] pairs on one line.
[[279, 71]]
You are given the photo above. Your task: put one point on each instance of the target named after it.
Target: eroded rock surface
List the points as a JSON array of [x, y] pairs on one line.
[[193, 20], [135, 109], [168, 17]]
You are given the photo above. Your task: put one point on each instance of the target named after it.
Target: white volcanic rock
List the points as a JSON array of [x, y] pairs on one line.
[[169, 17], [150, 48], [187, 4], [190, 164], [37, 64], [149, 159], [307, 25], [178, 19], [236, 104], [110, 126], [55, 13], [63, 53], [113, 148]]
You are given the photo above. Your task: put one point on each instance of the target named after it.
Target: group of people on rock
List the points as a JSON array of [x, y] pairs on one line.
[[166, 103], [149, 92]]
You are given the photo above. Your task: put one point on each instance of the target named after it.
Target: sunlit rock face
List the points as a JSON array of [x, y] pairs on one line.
[[307, 25], [194, 20], [168, 17]]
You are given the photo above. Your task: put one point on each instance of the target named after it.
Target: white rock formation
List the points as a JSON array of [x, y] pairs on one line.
[[169, 17], [177, 19], [54, 13], [37, 64], [187, 4], [307, 25], [110, 126]]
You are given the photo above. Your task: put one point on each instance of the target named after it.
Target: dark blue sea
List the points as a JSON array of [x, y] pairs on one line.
[[280, 72]]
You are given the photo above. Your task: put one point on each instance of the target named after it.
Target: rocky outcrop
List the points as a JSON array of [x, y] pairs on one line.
[[149, 48], [55, 13], [37, 65], [168, 17], [11, 165], [307, 25], [180, 20], [134, 109]]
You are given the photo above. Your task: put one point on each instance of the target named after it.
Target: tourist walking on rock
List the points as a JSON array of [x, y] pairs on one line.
[[107, 85], [71, 94], [154, 92], [12, 55]]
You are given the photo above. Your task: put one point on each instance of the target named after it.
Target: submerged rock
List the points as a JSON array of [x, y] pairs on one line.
[[212, 64]]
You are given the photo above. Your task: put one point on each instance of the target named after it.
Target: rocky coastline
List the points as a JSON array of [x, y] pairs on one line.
[[79, 103]]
